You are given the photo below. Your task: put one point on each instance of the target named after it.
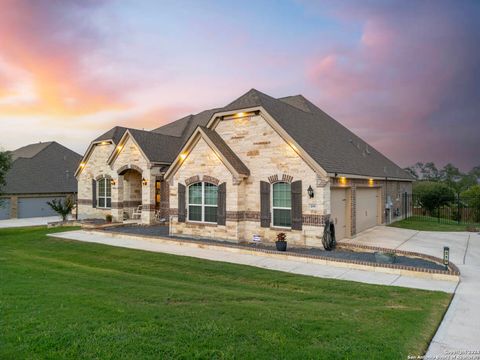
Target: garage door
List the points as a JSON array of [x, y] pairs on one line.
[[339, 212], [366, 209], [4, 209], [35, 207]]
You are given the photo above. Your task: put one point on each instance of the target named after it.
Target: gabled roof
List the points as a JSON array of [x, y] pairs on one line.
[[42, 168], [218, 145], [158, 148], [330, 144], [114, 134], [226, 151]]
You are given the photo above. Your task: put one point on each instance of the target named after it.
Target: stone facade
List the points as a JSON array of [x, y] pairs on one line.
[[133, 182], [269, 158]]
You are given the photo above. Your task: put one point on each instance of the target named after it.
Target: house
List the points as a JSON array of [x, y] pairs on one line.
[[39, 173], [253, 168]]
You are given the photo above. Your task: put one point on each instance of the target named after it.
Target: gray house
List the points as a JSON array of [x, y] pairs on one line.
[[40, 173]]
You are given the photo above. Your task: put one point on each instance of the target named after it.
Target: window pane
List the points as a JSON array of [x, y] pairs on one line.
[[108, 185], [282, 195], [195, 213], [101, 187], [195, 193], [282, 218], [211, 214], [109, 202], [211, 193], [101, 202]]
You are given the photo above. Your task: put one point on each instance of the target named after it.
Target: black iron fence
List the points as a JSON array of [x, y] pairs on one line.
[[448, 210]]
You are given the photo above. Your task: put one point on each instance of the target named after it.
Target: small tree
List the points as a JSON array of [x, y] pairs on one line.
[[5, 165], [432, 195], [62, 208]]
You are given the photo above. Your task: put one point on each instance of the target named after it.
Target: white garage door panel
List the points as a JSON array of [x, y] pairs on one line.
[[366, 209], [338, 205], [35, 207], [4, 209]]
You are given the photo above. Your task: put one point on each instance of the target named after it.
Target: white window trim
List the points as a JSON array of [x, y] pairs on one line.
[[202, 205], [107, 182], [272, 224]]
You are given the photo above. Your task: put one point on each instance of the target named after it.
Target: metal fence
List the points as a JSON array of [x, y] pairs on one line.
[[448, 210]]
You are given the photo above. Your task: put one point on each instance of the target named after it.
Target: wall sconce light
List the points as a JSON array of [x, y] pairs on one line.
[[343, 180], [82, 165], [183, 156], [112, 182], [446, 256], [370, 182], [144, 182], [311, 194]]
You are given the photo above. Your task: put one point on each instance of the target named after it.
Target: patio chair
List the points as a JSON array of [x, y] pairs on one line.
[[137, 213]]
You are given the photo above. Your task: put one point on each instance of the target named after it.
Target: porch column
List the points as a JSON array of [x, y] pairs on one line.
[[117, 199], [148, 197]]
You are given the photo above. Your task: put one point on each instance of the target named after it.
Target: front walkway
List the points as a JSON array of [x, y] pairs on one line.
[[460, 329], [38, 221], [259, 260]]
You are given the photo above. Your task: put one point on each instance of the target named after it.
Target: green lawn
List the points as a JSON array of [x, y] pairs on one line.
[[429, 224], [66, 299]]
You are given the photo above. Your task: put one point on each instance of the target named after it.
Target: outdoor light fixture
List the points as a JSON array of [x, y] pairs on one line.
[[370, 182], [82, 165], [446, 256], [343, 180], [112, 182], [310, 192], [144, 182], [183, 156]]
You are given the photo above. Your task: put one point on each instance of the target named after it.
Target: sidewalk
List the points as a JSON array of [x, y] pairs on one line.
[[262, 261]]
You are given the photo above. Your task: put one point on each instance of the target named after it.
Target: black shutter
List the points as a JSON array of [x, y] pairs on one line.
[[94, 193], [264, 204], [222, 204], [297, 205], [181, 203]]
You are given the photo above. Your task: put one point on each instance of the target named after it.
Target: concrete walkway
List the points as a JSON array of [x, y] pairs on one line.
[[260, 260], [38, 221], [460, 329]]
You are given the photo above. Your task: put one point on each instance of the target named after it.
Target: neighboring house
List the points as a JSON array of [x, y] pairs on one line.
[[39, 173], [255, 167]]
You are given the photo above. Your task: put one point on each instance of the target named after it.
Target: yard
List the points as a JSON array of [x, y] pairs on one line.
[[425, 223], [66, 299]]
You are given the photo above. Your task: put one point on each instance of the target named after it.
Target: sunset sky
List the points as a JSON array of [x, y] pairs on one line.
[[403, 75]]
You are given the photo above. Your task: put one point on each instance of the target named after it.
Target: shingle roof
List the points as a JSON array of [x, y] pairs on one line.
[[114, 134], [42, 168], [330, 144], [226, 151], [157, 147]]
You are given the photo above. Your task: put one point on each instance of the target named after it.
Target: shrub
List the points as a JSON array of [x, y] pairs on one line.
[[62, 208], [432, 195], [281, 237], [108, 218], [471, 197]]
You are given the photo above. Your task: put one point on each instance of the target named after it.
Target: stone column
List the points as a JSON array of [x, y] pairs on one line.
[[117, 199], [14, 207], [148, 197]]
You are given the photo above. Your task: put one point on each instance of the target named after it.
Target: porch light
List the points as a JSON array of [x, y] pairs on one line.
[[446, 256], [370, 182], [240, 114], [112, 182], [104, 143], [311, 194], [144, 182], [343, 180]]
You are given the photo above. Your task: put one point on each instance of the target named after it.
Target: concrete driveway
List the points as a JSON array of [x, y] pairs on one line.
[[459, 332], [38, 221]]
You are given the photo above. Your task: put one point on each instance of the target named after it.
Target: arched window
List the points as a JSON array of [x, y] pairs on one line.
[[282, 204], [202, 202], [104, 193]]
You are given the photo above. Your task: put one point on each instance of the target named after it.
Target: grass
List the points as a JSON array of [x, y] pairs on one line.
[[429, 224], [67, 299]]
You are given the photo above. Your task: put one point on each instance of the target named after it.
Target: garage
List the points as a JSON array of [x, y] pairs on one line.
[[366, 208], [4, 209], [35, 207], [339, 212]]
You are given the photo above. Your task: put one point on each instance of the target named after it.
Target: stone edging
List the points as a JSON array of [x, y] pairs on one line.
[[453, 273]]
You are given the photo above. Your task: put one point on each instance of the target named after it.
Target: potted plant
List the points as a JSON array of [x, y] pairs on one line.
[[108, 218], [281, 242]]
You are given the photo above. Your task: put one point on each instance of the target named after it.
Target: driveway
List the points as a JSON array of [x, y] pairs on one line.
[[38, 221], [459, 332]]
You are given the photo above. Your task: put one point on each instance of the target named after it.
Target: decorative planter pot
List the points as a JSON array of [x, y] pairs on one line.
[[281, 245], [384, 258]]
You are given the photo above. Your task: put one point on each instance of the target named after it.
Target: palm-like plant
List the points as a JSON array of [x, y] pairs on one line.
[[62, 208]]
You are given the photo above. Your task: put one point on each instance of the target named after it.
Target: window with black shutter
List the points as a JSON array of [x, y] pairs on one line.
[[297, 205], [222, 204], [181, 203], [264, 204]]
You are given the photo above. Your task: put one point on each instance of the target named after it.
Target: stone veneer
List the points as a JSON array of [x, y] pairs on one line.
[[127, 190], [269, 158]]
